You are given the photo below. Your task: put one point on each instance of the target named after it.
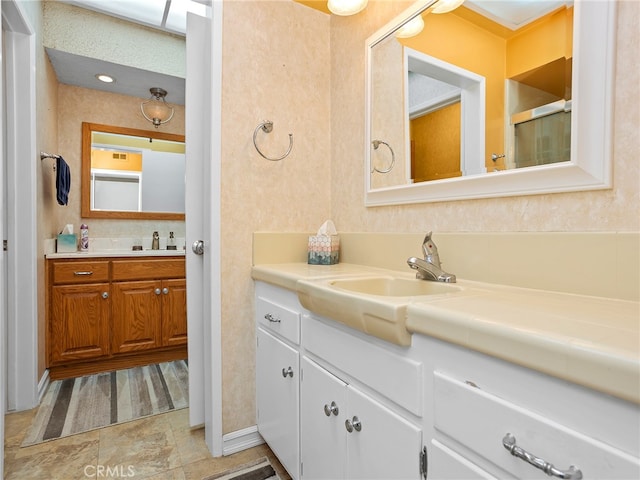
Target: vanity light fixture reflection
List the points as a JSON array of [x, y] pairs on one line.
[[446, 6], [346, 7], [412, 28]]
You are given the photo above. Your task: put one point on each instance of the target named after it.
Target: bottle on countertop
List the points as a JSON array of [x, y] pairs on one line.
[[84, 237], [171, 242], [155, 242]]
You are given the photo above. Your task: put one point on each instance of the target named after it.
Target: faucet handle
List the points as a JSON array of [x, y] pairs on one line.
[[430, 250]]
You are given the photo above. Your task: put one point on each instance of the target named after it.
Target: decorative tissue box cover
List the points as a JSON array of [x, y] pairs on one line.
[[67, 243], [323, 249]]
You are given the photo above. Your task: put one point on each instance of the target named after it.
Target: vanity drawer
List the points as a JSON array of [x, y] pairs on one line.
[[387, 371], [480, 421], [148, 269], [278, 318], [80, 272]]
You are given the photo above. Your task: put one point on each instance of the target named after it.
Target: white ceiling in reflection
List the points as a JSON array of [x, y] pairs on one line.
[[167, 15], [515, 14]]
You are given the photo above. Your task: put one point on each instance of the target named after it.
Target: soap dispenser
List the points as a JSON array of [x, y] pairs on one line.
[[155, 243], [171, 242]]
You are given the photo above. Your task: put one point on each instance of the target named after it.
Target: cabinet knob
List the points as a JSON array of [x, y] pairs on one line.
[[157, 291], [509, 442], [288, 372], [353, 424], [329, 409], [165, 290], [105, 295]]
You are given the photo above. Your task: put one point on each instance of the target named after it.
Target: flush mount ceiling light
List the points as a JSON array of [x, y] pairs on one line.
[[346, 7], [412, 28], [156, 109], [446, 6], [103, 77]]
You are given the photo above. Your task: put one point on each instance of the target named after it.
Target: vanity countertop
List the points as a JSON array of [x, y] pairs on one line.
[[117, 253], [591, 341]]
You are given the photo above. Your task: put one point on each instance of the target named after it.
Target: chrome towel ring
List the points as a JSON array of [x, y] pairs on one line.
[[267, 127], [376, 144]]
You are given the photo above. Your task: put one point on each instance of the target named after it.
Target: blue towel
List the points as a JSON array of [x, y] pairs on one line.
[[63, 181]]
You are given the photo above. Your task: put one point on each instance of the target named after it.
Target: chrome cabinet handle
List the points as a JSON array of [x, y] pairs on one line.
[[287, 372], [509, 442], [157, 291], [271, 318], [79, 274], [165, 290], [105, 295], [353, 424], [329, 409]]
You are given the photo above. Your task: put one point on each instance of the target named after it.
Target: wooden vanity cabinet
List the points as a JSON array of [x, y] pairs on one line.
[[114, 313], [149, 305], [80, 304]]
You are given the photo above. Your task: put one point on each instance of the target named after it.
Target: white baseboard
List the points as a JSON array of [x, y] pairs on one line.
[[241, 440], [43, 384]]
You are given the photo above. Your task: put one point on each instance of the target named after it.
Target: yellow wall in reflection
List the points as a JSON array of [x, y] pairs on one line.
[[495, 53], [435, 144]]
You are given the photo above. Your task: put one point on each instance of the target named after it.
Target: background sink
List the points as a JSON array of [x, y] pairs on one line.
[[394, 287]]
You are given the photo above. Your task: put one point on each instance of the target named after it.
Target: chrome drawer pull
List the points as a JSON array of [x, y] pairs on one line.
[[78, 274], [271, 318], [509, 442]]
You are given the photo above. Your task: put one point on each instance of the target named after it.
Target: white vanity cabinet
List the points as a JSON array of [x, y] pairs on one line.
[[277, 373], [475, 404], [348, 434], [360, 405]]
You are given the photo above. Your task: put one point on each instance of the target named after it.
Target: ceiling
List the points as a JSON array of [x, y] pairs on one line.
[[166, 15]]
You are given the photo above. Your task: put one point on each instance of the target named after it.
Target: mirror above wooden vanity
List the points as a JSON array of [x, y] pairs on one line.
[[132, 174]]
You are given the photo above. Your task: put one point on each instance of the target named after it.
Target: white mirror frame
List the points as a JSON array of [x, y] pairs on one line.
[[591, 123]]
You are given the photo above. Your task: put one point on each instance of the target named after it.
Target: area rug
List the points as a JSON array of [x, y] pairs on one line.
[[77, 405], [259, 469]]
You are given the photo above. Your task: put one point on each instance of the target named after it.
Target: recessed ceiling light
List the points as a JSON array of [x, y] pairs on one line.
[[103, 77]]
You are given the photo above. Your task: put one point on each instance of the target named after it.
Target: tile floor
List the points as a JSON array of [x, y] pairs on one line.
[[162, 447]]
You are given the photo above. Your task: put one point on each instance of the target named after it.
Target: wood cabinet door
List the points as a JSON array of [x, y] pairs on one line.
[[136, 316], [79, 324], [174, 312]]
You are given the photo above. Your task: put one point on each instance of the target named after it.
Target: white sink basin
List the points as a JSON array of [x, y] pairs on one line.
[[374, 304]]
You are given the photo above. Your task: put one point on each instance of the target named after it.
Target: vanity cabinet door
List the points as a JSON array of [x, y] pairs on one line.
[[323, 436], [79, 325], [386, 445], [174, 312], [277, 391], [348, 434], [136, 316]]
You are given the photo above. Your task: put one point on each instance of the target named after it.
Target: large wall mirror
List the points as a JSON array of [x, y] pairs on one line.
[[133, 174], [473, 103]]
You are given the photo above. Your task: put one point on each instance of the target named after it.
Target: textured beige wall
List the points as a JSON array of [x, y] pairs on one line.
[[275, 67], [601, 211]]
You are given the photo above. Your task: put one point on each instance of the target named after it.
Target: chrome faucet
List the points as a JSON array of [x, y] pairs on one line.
[[429, 268]]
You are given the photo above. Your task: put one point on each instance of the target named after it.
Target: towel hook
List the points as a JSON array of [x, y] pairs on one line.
[[267, 127], [376, 144]]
